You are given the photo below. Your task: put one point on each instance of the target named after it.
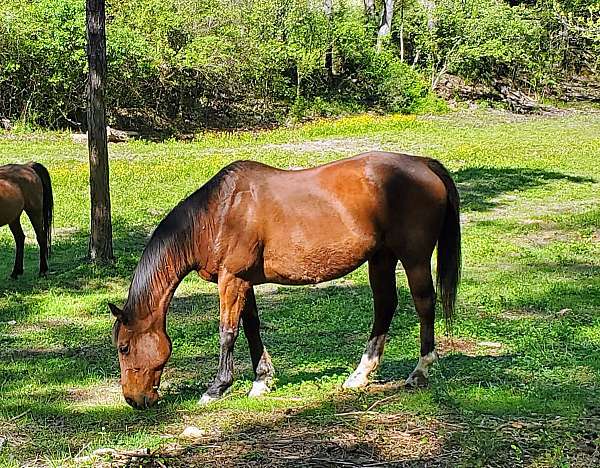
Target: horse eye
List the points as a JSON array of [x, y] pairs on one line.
[[124, 349]]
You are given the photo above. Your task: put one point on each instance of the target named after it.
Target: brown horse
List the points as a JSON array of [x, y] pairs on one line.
[[253, 224], [27, 188]]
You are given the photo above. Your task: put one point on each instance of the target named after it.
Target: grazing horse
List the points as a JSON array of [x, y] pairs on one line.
[[27, 188], [253, 224]]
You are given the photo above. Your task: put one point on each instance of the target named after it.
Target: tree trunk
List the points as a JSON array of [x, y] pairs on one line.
[[429, 6], [100, 246], [369, 8], [385, 24], [328, 9], [402, 31]]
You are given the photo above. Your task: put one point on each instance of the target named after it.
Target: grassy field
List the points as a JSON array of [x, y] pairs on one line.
[[519, 382]]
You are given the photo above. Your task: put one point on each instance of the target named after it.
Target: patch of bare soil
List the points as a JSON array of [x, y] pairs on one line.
[[370, 439], [447, 345], [345, 146], [107, 394], [336, 145], [548, 234], [385, 440], [548, 208]]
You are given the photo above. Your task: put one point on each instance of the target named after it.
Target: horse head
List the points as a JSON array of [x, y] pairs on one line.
[[144, 348]]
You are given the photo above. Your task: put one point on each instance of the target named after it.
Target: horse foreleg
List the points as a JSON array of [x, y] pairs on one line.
[[382, 277], [423, 293], [19, 235], [233, 296], [261, 361]]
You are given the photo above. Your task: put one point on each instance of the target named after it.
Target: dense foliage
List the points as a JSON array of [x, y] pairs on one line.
[[191, 63]]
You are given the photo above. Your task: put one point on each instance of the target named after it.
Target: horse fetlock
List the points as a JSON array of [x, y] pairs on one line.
[[259, 388], [265, 368], [228, 337], [356, 380], [420, 376], [207, 399], [416, 379]]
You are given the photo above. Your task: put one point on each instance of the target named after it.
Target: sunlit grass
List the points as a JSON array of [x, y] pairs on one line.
[[530, 189]]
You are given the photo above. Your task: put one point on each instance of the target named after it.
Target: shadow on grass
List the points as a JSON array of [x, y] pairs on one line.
[[312, 333], [479, 187]]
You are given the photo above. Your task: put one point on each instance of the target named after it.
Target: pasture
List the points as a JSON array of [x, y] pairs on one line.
[[519, 378]]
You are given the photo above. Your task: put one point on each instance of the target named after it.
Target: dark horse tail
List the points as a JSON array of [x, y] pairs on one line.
[[48, 200], [448, 247]]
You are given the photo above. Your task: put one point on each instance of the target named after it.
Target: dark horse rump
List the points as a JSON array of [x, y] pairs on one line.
[[27, 188], [252, 224]]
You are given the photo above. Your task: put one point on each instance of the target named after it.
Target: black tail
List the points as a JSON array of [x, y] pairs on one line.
[[48, 199], [448, 254]]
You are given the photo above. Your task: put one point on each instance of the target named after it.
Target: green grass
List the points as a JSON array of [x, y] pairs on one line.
[[520, 379]]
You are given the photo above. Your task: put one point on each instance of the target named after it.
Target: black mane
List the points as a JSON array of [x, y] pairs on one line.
[[172, 242]]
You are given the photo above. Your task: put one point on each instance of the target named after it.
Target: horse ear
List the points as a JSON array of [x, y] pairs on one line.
[[118, 313]]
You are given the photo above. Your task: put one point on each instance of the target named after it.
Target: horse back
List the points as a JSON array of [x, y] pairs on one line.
[[312, 225]]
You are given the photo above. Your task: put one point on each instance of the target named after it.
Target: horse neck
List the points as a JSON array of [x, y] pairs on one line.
[[156, 279]]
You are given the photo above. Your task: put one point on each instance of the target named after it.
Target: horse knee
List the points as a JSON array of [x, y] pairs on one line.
[[228, 337], [425, 304]]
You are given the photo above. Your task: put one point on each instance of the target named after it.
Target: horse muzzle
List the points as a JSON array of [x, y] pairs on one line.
[[142, 401]]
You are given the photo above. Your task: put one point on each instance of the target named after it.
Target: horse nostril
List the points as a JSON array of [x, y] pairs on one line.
[[131, 402]]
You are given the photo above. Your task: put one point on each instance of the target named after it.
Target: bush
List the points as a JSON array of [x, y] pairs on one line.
[[182, 64]]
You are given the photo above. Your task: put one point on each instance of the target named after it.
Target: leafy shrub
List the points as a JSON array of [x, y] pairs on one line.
[[177, 64]]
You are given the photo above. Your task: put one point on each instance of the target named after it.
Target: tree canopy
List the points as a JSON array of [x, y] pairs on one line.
[[177, 64]]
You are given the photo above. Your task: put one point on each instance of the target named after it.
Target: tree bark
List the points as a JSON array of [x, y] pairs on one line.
[[385, 24], [402, 31], [100, 246], [429, 6], [369, 8], [328, 9]]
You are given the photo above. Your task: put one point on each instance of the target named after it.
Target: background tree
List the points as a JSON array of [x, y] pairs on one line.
[[100, 246], [177, 66], [369, 7], [328, 10], [385, 23]]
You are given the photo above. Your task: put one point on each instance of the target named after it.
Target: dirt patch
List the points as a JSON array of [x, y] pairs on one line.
[[335, 145], [450, 345], [386, 440], [519, 314], [548, 236], [99, 395]]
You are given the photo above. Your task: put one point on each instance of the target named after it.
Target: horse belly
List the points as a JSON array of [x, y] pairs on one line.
[[310, 264], [11, 202]]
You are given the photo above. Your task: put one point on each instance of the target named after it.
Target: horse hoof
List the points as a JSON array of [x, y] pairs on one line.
[[355, 382], [207, 399], [259, 388], [416, 380], [15, 275]]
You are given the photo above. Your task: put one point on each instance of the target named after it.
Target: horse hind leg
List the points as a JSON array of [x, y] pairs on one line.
[[19, 235], [382, 277], [423, 293], [37, 221]]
